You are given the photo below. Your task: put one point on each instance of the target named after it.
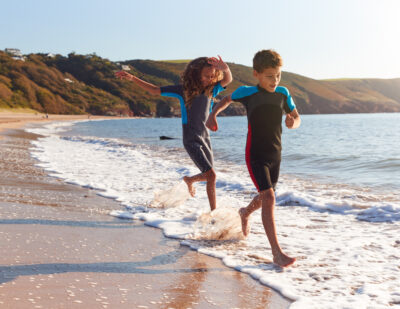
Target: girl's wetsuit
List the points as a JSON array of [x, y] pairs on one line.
[[196, 138]]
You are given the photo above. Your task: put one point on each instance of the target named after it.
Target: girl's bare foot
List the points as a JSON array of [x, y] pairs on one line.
[[283, 260], [191, 189], [245, 221]]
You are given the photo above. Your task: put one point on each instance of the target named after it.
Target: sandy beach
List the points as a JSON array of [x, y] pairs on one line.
[[12, 120], [61, 249]]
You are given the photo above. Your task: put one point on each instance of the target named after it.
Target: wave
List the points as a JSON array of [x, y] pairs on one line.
[[232, 178]]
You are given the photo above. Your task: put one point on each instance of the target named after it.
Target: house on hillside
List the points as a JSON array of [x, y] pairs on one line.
[[15, 53]]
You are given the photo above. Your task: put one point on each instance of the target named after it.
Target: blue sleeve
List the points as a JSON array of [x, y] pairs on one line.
[[290, 105], [217, 89], [176, 91], [173, 91], [242, 93]]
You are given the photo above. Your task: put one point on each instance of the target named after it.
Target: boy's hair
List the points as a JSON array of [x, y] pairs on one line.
[[267, 58], [191, 79]]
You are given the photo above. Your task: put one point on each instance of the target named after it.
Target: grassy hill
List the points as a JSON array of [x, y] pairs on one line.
[[79, 84]]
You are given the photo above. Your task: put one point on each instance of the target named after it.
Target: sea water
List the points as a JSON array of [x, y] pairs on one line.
[[338, 200]]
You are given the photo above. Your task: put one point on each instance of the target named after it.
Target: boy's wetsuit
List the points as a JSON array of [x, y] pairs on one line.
[[196, 138], [263, 147]]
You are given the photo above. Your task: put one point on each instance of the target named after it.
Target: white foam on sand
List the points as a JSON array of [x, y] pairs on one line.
[[346, 258]]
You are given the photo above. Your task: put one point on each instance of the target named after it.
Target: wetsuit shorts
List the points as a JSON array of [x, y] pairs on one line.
[[201, 154], [264, 173]]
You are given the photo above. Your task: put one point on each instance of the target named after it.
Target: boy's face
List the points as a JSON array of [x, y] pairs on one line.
[[269, 78]]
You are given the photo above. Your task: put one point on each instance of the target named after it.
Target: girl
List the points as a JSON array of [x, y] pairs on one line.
[[203, 79]]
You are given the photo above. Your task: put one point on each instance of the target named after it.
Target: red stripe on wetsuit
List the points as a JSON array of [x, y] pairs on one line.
[[248, 147]]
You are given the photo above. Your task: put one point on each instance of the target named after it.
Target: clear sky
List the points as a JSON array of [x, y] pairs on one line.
[[316, 38]]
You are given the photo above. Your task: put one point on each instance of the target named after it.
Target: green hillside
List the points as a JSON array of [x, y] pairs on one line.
[[79, 84]]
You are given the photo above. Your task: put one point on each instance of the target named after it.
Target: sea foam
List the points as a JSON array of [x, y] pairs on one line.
[[347, 246]]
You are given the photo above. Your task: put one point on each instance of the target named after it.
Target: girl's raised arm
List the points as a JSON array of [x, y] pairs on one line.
[[153, 89], [220, 65]]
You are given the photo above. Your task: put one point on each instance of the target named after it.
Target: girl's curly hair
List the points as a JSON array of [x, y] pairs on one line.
[[191, 80]]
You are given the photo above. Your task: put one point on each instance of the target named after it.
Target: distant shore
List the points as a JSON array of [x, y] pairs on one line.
[[61, 249], [14, 119]]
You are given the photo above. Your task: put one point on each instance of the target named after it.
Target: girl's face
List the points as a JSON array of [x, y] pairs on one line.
[[207, 76]]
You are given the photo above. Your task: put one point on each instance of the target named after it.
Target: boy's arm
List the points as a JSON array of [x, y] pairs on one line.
[[293, 120], [153, 89], [211, 122], [219, 64]]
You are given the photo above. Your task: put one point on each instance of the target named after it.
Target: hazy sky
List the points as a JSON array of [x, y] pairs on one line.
[[316, 38]]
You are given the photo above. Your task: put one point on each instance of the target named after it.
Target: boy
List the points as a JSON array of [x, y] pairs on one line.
[[265, 105]]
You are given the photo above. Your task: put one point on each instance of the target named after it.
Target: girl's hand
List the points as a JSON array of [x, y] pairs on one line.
[[212, 123], [123, 75], [218, 64]]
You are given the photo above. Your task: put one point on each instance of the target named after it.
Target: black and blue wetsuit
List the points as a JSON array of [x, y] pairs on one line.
[[196, 137], [263, 147]]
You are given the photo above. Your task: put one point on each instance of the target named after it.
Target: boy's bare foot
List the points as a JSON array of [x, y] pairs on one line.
[[283, 260], [191, 189], [245, 221]]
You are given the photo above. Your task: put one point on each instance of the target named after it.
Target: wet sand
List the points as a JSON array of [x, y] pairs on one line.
[[61, 249]]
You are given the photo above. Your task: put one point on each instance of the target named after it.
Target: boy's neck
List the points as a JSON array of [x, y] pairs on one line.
[[260, 87]]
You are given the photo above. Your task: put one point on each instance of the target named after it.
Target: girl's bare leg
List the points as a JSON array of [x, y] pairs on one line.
[[189, 183], [210, 178]]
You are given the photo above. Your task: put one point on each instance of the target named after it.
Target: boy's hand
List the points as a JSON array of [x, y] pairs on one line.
[[289, 121], [212, 123], [218, 64], [123, 75]]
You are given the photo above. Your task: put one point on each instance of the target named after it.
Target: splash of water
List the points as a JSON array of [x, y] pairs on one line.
[[221, 224], [171, 197]]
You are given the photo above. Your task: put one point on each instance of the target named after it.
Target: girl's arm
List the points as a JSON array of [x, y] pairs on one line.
[[153, 89], [220, 65], [211, 122], [227, 77]]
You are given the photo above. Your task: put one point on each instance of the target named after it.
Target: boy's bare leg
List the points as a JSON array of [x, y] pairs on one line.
[[267, 214], [245, 213], [210, 178]]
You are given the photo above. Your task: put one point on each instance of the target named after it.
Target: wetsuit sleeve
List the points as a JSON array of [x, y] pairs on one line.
[[289, 103], [217, 89], [171, 91], [242, 94]]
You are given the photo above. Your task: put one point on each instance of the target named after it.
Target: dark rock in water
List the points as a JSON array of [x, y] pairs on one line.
[[162, 137]]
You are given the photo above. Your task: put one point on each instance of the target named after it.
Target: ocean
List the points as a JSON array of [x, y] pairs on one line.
[[338, 200]]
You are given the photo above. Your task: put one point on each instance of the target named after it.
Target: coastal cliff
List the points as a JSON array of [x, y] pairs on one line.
[[81, 84]]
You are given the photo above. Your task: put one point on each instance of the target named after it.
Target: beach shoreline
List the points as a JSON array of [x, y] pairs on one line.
[[58, 255], [15, 120]]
